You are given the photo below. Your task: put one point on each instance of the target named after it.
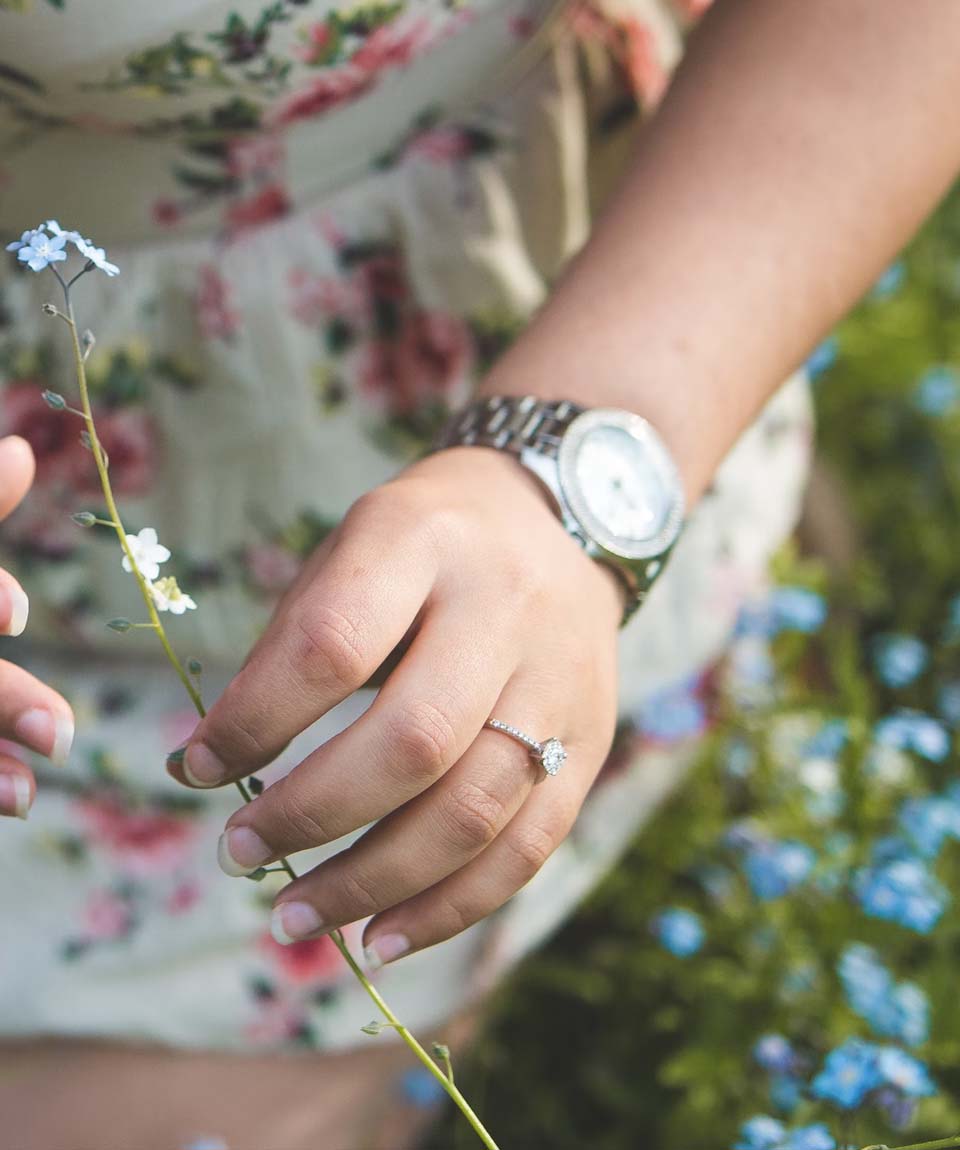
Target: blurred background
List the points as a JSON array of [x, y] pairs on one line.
[[775, 961]]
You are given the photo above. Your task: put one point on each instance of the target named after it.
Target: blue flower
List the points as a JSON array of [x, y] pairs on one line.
[[774, 868], [37, 250], [938, 391], [674, 713], [899, 659], [901, 891], [761, 1133], [829, 741], [419, 1087], [890, 282], [849, 1073], [928, 821], [822, 358], [894, 1010], [775, 1053], [948, 702], [816, 1137], [908, 730], [679, 930], [908, 1074], [786, 1092], [797, 609]]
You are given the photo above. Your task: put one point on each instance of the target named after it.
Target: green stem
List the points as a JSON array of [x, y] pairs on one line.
[[155, 623], [942, 1144]]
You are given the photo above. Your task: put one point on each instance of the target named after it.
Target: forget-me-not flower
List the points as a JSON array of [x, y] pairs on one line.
[[679, 930], [899, 659], [38, 250], [774, 868], [849, 1073], [901, 890], [893, 1010], [909, 730]]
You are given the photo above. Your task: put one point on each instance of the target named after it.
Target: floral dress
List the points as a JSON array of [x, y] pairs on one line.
[[329, 221]]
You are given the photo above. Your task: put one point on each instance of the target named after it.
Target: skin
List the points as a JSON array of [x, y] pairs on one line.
[[31, 714], [801, 145]]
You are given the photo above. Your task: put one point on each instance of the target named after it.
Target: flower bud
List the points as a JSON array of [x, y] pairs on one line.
[[258, 875], [121, 626], [255, 785], [52, 399], [48, 309], [195, 667], [84, 518], [372, 1028]]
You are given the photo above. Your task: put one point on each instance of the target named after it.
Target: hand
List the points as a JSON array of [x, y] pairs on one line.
[[505, 616], [30, 713]]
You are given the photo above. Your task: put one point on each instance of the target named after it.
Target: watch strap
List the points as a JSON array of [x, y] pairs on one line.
[[510, 423]]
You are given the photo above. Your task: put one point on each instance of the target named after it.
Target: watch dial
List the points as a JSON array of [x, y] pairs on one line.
[[620, 483]]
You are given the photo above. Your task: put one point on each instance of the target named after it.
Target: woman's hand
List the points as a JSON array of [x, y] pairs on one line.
[[30, 713], [505, 616]]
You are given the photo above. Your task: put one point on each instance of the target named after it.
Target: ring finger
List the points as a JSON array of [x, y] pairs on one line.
[[424, 841], [34, 715]]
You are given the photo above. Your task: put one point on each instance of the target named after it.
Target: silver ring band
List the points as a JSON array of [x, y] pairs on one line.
[[551, 753]]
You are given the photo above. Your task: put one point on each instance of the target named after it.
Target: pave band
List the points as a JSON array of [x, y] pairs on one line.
[[551, 753]]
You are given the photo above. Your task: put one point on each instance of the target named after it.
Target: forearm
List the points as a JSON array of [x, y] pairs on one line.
[[801, 144]]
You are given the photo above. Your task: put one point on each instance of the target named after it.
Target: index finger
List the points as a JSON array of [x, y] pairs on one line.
[[320, 649], [17, 468]]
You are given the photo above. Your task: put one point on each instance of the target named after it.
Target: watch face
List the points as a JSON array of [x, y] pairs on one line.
[[620, 483]]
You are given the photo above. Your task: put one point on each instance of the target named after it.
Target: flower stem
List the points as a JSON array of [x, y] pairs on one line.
[[155, 623], [942, 1144]]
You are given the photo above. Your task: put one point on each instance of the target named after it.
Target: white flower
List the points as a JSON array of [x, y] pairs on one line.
[[97, 256], [54, 229], [168, 597], [148, 553]]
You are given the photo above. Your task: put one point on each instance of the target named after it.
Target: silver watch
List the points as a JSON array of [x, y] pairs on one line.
[[609, 475]]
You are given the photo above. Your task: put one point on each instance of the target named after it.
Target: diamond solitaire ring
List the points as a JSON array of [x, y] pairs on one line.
[[551, 753]]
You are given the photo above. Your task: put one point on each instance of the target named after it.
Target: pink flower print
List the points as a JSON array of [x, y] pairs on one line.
[[317, 42], [316, 961], [215, 317], [144, 841], [184, 896], [433, 353], [392, 46], [166, 212], [324, 92], [272, 569], [53, 437], [129, 439], [440, 145], [277, 1023], [269, 203], [256, 155], [315, 298], [106, 916]]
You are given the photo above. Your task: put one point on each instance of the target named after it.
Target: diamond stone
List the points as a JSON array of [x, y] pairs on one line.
[[552, 756]]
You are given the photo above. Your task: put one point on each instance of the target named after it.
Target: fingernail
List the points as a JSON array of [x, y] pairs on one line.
[[385, 949], [201, 766], [291, 921], [240, 851], [49, 734], [19, 611], [15, 795]]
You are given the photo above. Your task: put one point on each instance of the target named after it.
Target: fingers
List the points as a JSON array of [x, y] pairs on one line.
[[485, 883], [424, 719], [16, 472], [34, 715], [321, 647], [14, 606], [17, 788], [417, 846]]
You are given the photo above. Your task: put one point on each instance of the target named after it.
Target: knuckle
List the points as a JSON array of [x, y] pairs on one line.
[[425, 738], [451, 918], [532, 845], [330, 643], [474, 814], [299, 820], [357, 893]]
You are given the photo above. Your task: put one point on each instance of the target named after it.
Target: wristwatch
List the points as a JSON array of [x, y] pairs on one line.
[[609, 476]]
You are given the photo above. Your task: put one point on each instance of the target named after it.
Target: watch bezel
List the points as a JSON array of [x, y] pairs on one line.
[[643, 432]]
